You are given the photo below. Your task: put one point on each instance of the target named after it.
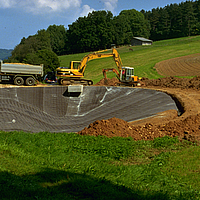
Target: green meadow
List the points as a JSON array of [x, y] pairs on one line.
[[70, 166]]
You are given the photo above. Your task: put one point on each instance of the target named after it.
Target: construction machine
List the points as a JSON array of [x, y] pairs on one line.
[[74, 74], [124, 74]]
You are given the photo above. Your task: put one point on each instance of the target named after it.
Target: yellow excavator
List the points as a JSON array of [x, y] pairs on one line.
[[74, 74]]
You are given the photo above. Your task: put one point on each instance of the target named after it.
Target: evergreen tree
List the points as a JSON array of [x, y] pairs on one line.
[[189, 18], [163, 28]]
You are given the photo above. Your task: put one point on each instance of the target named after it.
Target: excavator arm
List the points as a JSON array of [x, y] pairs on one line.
[[117, 59], [118, 63], [110, 70], [92, 56]]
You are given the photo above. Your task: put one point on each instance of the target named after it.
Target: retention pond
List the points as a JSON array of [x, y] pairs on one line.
[[54, 109]]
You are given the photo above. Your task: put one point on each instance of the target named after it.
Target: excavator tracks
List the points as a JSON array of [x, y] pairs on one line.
[[75, 82]]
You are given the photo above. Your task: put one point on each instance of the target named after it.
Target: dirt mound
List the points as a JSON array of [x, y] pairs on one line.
[[173, 82], [110, 128], [188, 129], [108, 82], [167, 82]]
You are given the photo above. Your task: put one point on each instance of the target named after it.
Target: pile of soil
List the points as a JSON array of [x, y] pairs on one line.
[[108, 82], [172, 82], [188, 128], [166, 82]]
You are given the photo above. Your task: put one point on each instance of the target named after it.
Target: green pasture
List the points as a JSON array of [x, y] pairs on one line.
[[70, 166], [142, 58]]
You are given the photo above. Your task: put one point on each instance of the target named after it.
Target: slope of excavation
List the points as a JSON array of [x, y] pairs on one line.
[[53, 109]]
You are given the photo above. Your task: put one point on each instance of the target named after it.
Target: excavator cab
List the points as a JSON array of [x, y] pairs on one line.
[[75, 64], [127, 74], [68, 71]]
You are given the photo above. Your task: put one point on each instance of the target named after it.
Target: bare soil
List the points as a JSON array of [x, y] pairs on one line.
[[181, 66], [107, 82]]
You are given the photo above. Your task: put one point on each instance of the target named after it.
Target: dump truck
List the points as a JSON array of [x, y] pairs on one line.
[[74, 74], [20, 73]]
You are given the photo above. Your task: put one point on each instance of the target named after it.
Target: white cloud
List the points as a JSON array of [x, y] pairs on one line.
[[110, 4], [41, 6], [7, 3], [71, 8], [85, 10]]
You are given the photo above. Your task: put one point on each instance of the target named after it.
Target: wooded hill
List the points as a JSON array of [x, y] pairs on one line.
[[100, 29], [174, 20]]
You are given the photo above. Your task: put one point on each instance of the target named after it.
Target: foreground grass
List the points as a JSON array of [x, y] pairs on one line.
[[70, 166], [142, 58]]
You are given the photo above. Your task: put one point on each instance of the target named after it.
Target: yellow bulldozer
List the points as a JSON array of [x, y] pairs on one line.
[[74, 74]]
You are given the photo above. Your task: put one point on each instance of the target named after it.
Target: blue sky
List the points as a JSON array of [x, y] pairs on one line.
[[22, 18]]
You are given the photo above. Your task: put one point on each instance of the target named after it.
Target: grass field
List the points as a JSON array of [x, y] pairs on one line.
[[69, 166], [142, 58]]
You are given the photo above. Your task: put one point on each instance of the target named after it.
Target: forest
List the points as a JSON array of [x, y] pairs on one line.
[[100, 29]]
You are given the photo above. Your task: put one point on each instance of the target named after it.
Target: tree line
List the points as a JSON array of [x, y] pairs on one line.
[[174, 20], [100, 29]]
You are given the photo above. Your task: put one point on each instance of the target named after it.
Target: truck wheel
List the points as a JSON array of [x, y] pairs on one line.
[[30, 81], [19, 81], [90, 83], [60, 81]]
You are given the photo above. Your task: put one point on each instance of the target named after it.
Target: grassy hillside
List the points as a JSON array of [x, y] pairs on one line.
[[142, 58]]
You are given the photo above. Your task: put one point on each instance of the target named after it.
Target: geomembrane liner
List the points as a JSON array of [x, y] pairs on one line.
[[52, 109]]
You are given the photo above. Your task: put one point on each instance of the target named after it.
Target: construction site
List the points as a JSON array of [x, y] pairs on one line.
[[155, 108]]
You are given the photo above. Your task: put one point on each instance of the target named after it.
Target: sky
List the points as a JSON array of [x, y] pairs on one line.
[[22, 18]]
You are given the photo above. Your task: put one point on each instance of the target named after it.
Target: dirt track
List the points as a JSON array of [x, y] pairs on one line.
[[184, 91]]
